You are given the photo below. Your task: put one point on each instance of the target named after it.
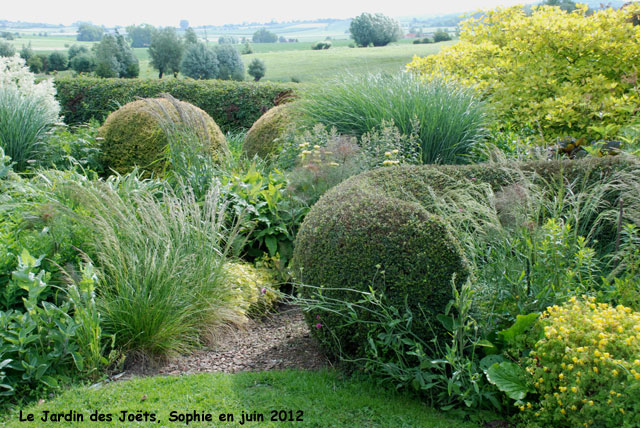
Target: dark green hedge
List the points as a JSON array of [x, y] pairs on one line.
[[233, 105], [382, 218]]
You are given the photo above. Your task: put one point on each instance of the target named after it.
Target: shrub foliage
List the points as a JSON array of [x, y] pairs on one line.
[[376, 30], [562, 73], [232, 105]]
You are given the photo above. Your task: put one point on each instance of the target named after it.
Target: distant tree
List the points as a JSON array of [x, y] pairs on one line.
[[246, 49], [184, 24], [7, 35], [7, 49], [83, 63], [77, 50], [140, 35], [129, 64], [166, 51], [264, 36], [566, 5], [190, 37], [230, 40], [376, 30], [230, 63], [114, 58], [441, 36], [58, 61], [36, 64], [199, 62], [256, 69], [89, 33], [26, 53]]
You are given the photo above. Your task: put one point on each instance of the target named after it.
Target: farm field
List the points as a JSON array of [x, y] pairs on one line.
[[313, 66], [284, 61]]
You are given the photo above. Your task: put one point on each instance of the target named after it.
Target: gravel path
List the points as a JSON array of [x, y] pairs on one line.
[[278, 341]]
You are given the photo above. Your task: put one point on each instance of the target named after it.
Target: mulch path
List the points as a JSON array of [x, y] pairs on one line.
[[278, 341]]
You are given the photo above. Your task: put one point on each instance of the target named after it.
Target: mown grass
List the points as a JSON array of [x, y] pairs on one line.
[[325, 399]]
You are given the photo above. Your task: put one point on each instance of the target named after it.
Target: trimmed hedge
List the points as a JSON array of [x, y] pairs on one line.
[[379, 221], [233, 105], [261, 139]]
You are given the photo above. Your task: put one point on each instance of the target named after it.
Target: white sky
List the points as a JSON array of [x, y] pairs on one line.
[[218, 12]]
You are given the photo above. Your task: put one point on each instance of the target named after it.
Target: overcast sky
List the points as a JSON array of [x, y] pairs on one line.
[[217, 12]]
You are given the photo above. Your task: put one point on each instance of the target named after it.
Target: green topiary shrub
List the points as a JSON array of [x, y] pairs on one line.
[[262, 138], [136, 134], [358, 236], [376, 230]]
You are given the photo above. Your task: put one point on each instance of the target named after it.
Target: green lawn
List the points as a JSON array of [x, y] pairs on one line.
[[320, 399]]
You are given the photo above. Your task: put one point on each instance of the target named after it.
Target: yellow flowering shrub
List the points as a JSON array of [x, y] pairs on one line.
[[255, 287], [586, 367], [561, 73]]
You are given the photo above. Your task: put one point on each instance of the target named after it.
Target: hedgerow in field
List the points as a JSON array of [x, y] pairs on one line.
[[564, 73]]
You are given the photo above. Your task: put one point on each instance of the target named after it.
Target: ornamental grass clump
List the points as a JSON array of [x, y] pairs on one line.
[[27, 112], [585, 367], [448, 118], [161, 259]]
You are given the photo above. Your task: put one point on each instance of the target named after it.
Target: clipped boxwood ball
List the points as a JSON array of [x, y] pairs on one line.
[[136, 133], [359, 236], [262, 138]]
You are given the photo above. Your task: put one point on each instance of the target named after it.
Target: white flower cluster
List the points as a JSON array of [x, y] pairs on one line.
[[15, 75]]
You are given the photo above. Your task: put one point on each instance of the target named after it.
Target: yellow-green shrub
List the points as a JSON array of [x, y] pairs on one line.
[[255, 287], [586, 368], [136, 133], [562, 73], [262, 138]]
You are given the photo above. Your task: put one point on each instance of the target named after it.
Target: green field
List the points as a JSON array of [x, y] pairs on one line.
[[313, 66], [284, 61]]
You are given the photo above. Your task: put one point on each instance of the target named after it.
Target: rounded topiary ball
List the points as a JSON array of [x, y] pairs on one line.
[[360, 235], [136, 135], [262, 138]]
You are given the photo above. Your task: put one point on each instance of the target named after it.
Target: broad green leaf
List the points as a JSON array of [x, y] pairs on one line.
[[523, 322], [272, 245], [510, 378]]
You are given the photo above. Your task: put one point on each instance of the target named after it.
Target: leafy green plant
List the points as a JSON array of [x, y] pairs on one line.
[[5, 164], [451, 117], [73, 147], [446, 372], [273, 216], [43, 344]]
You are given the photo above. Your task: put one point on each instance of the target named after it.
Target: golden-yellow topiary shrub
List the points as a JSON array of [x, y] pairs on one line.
[[137, 133], [560, 73], [262, 138]]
